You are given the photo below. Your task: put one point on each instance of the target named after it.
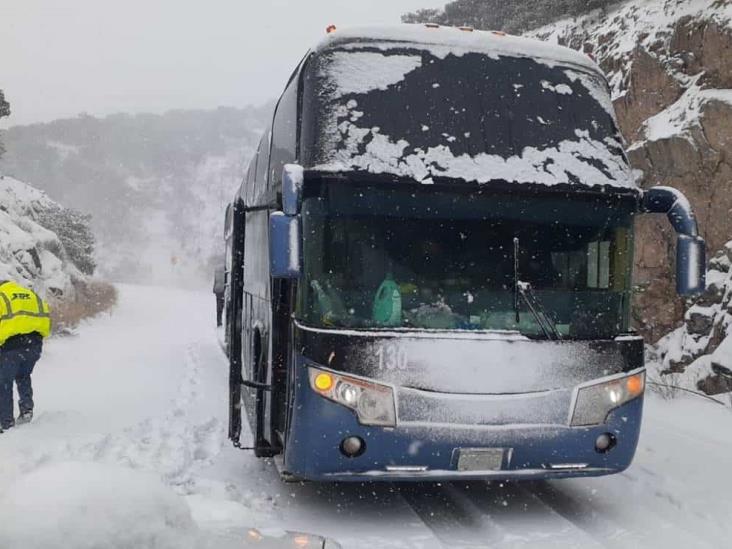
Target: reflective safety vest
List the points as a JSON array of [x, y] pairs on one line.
[[22, 312]]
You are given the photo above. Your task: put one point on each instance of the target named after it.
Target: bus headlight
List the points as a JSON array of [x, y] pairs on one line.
[[595, 402], [372, 402]]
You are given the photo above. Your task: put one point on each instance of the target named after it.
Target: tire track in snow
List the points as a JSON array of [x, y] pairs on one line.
[[452, 519], [481, 514], [615, 520], [581, 513], [522, 518]]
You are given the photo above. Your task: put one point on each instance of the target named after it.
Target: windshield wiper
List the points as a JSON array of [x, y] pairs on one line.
[[525, 291], [547, 325]]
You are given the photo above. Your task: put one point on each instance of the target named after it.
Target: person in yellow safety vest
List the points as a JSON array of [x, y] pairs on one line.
[[24, 322]]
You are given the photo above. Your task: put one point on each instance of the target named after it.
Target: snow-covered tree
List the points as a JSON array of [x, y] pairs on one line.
[[513, 16], [4, 111], [74, 231]]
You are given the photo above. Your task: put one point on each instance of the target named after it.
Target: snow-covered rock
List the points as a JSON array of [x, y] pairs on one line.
[[689, 353], [30, 253]]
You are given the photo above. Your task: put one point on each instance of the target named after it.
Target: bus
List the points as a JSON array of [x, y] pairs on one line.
[[430, 264]]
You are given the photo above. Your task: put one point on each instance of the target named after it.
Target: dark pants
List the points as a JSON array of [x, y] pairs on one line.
[[219, 308], [18, 356]]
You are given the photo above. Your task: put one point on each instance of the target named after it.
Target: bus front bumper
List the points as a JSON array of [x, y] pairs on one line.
[[432, 452]]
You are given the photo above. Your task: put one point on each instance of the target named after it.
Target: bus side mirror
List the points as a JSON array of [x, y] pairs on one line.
[[284, 245], [292, 179], [690, 247], [691, 264]]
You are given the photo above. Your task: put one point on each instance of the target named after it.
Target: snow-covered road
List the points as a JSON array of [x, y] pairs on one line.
[[140, 395]]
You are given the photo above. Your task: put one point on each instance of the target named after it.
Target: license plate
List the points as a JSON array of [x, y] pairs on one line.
[[481, 459]]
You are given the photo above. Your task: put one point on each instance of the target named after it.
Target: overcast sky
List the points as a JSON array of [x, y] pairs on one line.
[[61, 58]]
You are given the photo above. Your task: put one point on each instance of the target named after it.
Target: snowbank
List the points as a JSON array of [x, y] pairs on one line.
[[90, 505]]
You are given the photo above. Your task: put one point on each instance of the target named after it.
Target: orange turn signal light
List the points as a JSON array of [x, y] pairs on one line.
[[323, 382], [301, 541], [254, 535], [635, 384]]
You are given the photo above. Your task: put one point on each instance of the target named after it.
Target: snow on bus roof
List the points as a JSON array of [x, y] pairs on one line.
[[441, 41]]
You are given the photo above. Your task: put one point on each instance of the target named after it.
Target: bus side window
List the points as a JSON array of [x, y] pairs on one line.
[[248, 195], [284, 135], [260, 180]]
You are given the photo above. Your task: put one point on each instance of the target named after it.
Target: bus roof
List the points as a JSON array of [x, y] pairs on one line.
[[441, 41]]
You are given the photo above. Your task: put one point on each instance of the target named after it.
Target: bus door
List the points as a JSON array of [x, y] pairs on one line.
[[256, 325], [234, 320]]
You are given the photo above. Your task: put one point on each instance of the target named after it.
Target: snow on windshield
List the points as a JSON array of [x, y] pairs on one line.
[[564, 164], [476, 117], [361, 72], [596, 90]]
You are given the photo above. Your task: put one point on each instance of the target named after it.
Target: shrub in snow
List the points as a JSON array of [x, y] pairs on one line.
[[74, 230], [92, 506]]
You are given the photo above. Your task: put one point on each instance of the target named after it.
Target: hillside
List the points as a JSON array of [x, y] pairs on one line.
[[155, 185]]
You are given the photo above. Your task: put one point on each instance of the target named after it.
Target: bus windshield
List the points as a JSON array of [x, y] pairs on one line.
[[414, 258], [429, 115]]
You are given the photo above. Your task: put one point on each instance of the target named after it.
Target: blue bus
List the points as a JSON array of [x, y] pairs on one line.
[[430, 264]]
